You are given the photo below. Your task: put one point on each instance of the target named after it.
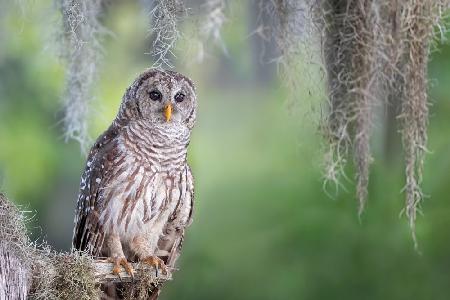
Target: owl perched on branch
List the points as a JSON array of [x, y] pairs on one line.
[[137, 191]]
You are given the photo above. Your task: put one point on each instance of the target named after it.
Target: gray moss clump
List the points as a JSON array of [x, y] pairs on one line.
[[76, 272], [29, 271], [165, 18], [142, 289], [376, 52], [64, 276], [12, 224], [81, 47]]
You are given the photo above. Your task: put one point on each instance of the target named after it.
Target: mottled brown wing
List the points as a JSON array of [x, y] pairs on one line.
[[176, 248], [175, 251], [88, 232]]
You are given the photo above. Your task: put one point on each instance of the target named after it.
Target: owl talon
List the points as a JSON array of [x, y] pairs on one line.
[[157, 263], [121, 262]]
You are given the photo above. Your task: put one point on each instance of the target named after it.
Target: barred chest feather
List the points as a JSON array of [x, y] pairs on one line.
[[149, 192]]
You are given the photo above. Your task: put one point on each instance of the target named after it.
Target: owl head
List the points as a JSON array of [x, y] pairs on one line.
[[160, 97]]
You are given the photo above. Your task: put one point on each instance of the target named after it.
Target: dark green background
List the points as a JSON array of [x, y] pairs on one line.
[[264, 226]]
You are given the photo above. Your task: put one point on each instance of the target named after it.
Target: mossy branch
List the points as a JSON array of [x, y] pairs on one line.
[[28, 271], [103, 273]]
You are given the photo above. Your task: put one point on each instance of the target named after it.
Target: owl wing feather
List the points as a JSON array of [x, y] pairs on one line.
[[175, 251], [88, 234]]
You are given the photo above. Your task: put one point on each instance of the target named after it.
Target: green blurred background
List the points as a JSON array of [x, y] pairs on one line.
[[264, 227]]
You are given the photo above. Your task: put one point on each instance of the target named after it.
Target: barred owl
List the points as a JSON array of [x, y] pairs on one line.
[[137, 191]]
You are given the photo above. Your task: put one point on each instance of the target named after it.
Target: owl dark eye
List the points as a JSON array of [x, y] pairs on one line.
[[155, 95], [179, 97]]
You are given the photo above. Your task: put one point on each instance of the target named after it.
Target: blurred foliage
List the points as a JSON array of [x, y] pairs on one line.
[[264, 226]]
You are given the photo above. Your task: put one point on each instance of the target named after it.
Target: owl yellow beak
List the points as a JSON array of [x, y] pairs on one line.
[[168, 112]]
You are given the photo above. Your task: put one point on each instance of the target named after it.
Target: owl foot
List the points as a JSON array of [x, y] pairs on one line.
[[157, 263], [121, 262]]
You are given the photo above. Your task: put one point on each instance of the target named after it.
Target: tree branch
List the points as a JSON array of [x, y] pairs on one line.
[[39, 272], [103, 273]]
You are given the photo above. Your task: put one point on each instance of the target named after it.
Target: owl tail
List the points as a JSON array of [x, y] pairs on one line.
[[115, 292], [155, 294]]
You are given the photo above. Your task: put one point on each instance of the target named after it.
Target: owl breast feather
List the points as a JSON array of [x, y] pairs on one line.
[[149, 184]]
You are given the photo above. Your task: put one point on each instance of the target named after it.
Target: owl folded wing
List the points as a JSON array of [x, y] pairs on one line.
[[88, 233]]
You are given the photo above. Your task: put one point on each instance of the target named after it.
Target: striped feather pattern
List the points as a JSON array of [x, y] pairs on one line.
[[137, 191], [136, 182]]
